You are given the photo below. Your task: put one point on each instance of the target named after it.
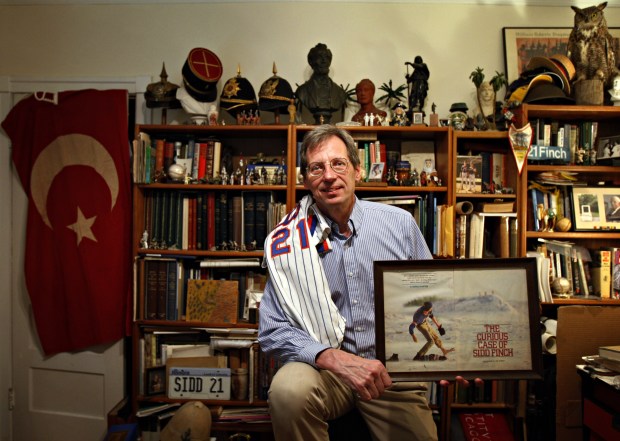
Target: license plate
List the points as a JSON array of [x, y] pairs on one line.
[[199, 383]]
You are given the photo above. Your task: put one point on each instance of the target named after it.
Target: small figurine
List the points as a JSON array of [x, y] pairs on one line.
[[399, 117], [144, 242]]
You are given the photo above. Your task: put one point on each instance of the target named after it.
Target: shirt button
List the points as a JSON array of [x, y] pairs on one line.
[[350, 274], [355, 302], [359, 328]]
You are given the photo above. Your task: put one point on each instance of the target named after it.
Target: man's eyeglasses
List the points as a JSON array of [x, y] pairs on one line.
[[338, 165]]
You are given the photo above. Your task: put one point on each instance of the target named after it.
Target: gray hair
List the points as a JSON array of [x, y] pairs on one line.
[[319, 136]]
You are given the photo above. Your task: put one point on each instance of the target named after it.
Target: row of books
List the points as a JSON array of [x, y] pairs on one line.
[[151, 157], [371, 151], [490, 391], [555, 142], [184, 289], [549, 203], [209, 220], [486, 235], [433, 219], [587, 272]]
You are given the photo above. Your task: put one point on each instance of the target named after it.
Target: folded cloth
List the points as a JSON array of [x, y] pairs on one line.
[[292, 255]]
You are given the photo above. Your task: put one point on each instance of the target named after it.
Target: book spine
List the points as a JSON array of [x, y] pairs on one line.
[[159, 156], [151, 274], [201, 204], [162, 289], [168, 155], [210, 221], [217, 159], [261, 204], [237, 219], [209, 171], [171, 295], [249, 226]]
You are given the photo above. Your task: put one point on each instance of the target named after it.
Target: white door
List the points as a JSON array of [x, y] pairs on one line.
[[65, 397]]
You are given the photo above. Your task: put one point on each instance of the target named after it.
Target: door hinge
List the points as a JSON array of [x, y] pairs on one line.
[[11, 399]]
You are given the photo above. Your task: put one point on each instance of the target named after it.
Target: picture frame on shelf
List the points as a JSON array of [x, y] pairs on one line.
[[523, 43], [417, 118], [608, 150], [488, 308], [155, 381], [468, 174], [376, 172], [596, 208]]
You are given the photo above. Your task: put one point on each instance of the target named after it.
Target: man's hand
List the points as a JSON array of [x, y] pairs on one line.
[[442, 331], [415, 339], [368, 378]]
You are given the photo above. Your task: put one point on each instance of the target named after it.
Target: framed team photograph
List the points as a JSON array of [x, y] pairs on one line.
[[522, 43], [596, 208], [469, 174], [478, 318]]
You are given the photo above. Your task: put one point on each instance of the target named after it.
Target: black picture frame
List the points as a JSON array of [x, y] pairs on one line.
[[155, 381], [488, 307]]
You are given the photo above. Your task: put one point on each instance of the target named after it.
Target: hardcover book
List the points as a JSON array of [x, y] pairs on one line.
[[488, 426], [610, 352], [212, 301]]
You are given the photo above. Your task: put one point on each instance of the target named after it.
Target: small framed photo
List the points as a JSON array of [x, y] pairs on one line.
[[608, 148], [376, 172], [418, 118], [596, 208], [478, 318], [469, 174], [155, 381]]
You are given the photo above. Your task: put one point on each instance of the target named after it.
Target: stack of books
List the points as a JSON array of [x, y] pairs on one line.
[[607, 362]]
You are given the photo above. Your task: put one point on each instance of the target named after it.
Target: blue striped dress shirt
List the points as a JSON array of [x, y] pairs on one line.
[[380, 232]]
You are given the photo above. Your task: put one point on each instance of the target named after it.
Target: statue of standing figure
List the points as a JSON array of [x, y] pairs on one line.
[[417, 83]]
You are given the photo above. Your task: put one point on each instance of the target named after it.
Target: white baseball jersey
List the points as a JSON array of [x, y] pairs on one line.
[[292, 256]]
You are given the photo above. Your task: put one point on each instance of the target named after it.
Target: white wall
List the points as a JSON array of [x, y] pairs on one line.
[[368, 40]]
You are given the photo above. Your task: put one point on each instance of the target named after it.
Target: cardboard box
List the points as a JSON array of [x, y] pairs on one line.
[[581, 330]]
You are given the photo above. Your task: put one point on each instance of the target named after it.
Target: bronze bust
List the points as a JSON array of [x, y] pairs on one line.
[[320, 95]]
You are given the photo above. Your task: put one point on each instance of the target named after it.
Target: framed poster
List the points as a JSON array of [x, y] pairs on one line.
[[596, 208], [521, 44], [488, 310]]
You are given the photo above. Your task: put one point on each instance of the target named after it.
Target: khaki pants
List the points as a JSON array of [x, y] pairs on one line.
[[302, 399], [431, 337]]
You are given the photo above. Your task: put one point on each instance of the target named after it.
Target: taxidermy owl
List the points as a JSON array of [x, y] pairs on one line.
[[590, 45]]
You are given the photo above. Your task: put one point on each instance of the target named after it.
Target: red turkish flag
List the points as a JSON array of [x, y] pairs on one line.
[[72, 158]]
